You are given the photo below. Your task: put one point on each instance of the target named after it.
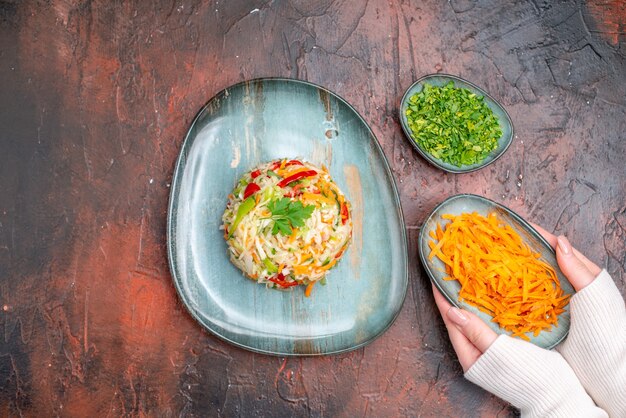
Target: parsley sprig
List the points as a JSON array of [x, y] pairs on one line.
[[453, 124], [288, 214]]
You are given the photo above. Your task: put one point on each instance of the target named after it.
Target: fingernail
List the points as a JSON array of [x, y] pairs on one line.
[[564, 245], [457, 316]]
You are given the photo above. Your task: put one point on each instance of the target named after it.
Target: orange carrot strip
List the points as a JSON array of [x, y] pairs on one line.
[[308, 290], [499, 274]]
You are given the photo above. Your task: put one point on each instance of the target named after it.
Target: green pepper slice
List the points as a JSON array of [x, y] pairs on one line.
[[271, 267], [244, 209]]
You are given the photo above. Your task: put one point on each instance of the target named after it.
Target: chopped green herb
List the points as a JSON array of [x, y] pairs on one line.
[[453, 124], [288, 214]]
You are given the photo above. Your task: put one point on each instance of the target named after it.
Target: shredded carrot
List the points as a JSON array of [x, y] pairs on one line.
[[329, 265], [302, 269], [499, 274], [308, 290], [318, 198], [292, 172], [292, 237]]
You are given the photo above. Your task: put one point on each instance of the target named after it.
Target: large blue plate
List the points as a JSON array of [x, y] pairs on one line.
[[253, 122]]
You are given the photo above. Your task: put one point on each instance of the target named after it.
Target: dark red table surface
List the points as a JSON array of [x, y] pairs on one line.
[[95, 98]]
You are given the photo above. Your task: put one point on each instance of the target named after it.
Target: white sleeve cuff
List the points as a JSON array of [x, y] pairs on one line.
[[596, 345], [538, 382]]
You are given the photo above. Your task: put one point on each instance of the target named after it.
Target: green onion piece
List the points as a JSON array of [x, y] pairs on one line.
[[453, 124]]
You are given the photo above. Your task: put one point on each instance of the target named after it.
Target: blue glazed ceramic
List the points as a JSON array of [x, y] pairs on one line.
[[467, 203], [257, 121], [442, 79]]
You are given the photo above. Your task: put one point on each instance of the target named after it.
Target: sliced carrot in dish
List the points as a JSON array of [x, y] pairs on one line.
[[499, 274], [308, 290]]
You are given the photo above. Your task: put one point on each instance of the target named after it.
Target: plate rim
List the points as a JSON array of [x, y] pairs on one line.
[[516, 216], [434, 161], [172, 211]]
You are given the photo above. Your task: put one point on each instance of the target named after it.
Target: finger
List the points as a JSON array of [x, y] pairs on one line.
[[574, 268], [473, 328], [593, 268], [466, 352], [552, 240], [441, 301]]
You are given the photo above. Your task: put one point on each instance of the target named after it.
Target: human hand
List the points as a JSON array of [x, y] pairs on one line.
[[469, 335], [580, 272], [537, 381], [596, 345]]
